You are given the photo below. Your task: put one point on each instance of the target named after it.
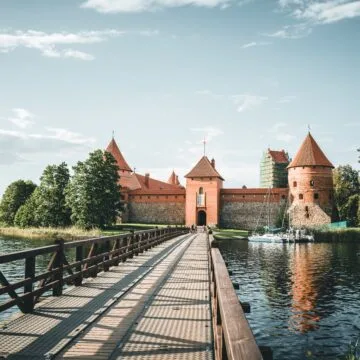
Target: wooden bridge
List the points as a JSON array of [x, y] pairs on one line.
[[157, 294]]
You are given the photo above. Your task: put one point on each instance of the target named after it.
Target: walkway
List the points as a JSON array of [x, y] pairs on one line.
[[154, 306]]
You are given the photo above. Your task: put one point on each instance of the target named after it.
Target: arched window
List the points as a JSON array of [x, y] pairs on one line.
[[301, 196], [316, 196], [311, 182], [294, 184], [201, 198]]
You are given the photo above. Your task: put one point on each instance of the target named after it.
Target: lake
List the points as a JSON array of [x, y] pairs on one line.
[[305, 298]]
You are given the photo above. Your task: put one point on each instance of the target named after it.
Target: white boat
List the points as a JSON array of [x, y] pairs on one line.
[[297, 235], [267, 237]]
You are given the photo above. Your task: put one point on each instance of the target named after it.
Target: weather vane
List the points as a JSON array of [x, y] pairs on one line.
[[309, 128], [113, 134]]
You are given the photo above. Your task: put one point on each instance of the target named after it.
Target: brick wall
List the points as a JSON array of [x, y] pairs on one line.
[[155, 212], [245, 215]]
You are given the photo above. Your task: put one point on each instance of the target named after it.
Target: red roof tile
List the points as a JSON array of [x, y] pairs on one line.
[[115, 151], [173, 179], [203, 169], [280, 157], [310, 154], [154, 185]]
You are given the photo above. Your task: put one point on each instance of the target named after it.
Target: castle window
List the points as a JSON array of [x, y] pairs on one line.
[[148, 197], [201, 197], [316, 196], [243, 196], [306, 208], [307, 215], [175, 196], [301, 196], [294, 184], [311, 182], [283, 196]]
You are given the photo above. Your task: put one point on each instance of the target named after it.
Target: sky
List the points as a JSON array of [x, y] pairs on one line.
[[245, 75]]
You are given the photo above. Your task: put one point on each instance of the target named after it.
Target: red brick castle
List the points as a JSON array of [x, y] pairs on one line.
[[204, 201]]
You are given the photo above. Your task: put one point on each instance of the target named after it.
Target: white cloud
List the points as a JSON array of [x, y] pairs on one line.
[[127, 6], [209, 93], [297, 31], [50, 44], [286, 99], [247, 101], [277, 126], [322, 11], [23, 118], [15, 145], [254, 43], [285, 137], [209, 132]]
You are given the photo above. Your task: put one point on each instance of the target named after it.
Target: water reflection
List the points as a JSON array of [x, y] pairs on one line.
[[304, 297]]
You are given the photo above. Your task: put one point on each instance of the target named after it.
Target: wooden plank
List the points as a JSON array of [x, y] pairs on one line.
[[239, 339]]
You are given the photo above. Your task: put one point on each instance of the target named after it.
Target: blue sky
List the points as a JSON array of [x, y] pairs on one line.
[[164, 74]]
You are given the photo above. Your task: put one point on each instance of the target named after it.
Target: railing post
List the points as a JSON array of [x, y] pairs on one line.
[[79, 257], [106, 257], [58, 264], [28, 288]]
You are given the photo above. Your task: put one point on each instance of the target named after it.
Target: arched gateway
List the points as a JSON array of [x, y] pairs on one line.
[[201, 218]]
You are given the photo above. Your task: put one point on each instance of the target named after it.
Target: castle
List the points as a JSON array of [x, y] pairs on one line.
[[204, 201]]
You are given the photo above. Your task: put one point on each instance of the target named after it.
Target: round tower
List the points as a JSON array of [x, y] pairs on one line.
[[311, 186]]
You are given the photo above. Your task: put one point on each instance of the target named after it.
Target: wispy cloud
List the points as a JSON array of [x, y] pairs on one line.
[[296, 31], [209, 93], [16, 145], [322, 11], [209, 132], [278, 130], [286, 99], [246, 102], [255, 43], [52, 44], [22, 118], [128, 6]]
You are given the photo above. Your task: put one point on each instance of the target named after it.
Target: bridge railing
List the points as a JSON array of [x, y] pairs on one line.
[[233, 338], [91, 257]]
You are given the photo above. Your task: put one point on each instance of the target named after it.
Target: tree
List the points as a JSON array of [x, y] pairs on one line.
[[350, 210], [14, 197], [47, 206], [346, 185], [93, 193]]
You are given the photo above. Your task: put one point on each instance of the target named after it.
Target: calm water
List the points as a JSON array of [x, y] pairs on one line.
[[15, 270], [305, 298]]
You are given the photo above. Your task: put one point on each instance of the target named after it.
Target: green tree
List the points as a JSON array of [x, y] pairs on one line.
[[346, 185], [350, 210], [47, 206], [93, 193], [14, 197]]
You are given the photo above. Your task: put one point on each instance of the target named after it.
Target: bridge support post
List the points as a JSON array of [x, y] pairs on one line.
[[79, 256], [58, 264], [28, 288]]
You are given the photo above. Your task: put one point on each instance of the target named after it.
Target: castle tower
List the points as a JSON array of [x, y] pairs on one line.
[[311, 186], [273, 172], [203, 184], [174, 179]]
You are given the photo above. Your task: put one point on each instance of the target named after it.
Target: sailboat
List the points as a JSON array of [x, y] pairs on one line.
[[269, 236]]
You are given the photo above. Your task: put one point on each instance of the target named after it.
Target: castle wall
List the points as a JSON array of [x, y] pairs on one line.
[[248, 208], [157, 209]]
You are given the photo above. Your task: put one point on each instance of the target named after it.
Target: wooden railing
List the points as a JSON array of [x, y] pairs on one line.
[[101, 253], [233, 338]]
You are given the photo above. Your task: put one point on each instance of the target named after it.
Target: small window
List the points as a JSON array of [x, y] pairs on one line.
[[306, 208], [175, 196], [201, 191], [148, 197], [294, 184], [307, 215], [316, 196], [311, 182], [243, 196], [283, 196], [301, 196]]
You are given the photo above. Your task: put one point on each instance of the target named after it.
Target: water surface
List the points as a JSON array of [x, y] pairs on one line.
[[305, 298]]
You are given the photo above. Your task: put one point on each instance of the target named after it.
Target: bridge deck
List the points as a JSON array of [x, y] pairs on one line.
[[154, 306]]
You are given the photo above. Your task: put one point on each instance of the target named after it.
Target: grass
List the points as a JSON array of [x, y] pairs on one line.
[[220, 234], [69, 233]]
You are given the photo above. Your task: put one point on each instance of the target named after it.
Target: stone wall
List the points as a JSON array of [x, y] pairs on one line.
[[172, 213], [308, 215], [245, 215]]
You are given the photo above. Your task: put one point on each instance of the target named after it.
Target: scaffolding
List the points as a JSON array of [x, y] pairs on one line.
[[273, 174]]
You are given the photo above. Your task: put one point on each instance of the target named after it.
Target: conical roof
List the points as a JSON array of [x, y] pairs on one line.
[[310, 154], [203, 169], [173, 179], [114, 150]]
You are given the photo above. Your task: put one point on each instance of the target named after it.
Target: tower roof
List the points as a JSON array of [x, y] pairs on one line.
[[280, 157], [114, 150], [203, 169], [173, 179], [310, 154]]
